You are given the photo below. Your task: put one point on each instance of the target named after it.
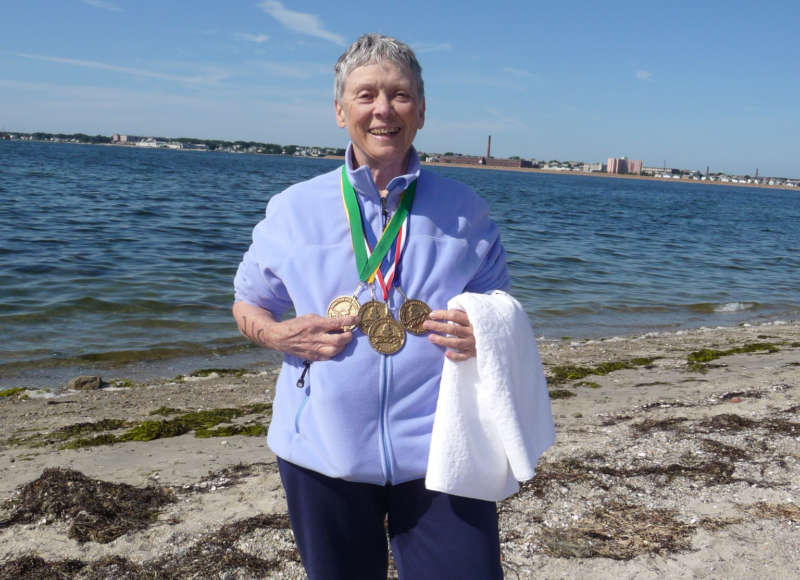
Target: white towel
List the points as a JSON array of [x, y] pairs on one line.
[[493, 417]]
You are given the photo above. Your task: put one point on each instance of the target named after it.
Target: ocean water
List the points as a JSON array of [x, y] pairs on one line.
[[120, 261]]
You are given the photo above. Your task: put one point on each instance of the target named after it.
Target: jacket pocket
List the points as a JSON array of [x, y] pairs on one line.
[[300, 410]]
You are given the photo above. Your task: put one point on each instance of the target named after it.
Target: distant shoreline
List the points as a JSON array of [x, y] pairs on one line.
[[505, 168], [607, 175], [594, 174]]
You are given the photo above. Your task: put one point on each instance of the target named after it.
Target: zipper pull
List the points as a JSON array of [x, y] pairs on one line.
[[302, 380]]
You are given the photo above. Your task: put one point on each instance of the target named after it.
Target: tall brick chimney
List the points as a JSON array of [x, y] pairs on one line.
[[489, 148]]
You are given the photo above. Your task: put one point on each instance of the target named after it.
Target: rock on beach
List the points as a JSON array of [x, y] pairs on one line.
[[85, 383]]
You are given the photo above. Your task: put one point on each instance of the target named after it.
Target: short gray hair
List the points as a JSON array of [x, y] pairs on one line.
[[375, 48]]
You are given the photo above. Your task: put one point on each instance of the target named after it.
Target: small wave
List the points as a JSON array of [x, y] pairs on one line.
[[735, 307], [111, 358], [726, 308], [571, 260]]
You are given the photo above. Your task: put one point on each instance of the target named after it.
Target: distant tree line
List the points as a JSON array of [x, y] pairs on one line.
[[78, 137], [211, 144], [214, 144]]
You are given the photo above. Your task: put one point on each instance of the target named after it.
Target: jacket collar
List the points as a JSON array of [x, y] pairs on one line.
[[361, 177]]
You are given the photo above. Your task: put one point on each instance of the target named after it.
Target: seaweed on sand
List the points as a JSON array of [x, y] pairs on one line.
[[597, 471], [731, 423], [33, 567], [218, 554], [722, 423], [724, 450], [202, 422], [97, 511], [788, 512], [213, 372], [668, 424], [698, 360], [762, 510], [620, 532], [563, 373], [228, 477], [67, 432]]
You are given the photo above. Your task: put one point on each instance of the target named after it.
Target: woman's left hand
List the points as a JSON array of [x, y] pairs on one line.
[[452, 330]]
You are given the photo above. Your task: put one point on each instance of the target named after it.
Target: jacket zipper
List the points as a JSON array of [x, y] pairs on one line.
[[382, 422], [384, 387]]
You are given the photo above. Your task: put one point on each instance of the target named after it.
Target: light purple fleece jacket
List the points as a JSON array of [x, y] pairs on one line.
[[363, 416]]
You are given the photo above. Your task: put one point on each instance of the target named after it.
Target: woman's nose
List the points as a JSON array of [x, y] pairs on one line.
[[383, 105]]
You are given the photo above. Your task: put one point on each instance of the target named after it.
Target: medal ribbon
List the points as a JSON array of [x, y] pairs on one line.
[[386, 280], [368, 263]]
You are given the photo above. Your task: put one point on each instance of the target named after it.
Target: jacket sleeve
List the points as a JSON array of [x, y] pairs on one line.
[[257, 279], [493, 271]]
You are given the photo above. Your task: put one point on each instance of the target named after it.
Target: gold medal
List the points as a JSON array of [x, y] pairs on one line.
[[387, 336], [343, 306], [369, 313], [412, 314]]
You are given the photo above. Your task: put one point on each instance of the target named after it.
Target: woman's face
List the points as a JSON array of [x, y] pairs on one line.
[[382, 113]]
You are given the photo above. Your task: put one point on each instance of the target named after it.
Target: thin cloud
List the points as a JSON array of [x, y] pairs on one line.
[[298, 71], [208, 79], [493, 120], [501, 119], [301, 22], [518, 72], [426, 47], [103, 5], [644, 75], [257, 38]]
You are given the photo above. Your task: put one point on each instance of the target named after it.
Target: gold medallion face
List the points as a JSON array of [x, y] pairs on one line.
[[370, 312], [412, 314], [387, 336], [343, 306]]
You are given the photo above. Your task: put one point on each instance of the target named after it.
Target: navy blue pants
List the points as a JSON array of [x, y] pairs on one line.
[[339, 528]]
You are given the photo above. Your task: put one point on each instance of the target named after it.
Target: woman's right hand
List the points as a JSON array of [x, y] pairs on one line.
[[313, 337], [309, 337]]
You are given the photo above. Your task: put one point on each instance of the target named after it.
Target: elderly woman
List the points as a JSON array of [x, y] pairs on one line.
[[368, 256]]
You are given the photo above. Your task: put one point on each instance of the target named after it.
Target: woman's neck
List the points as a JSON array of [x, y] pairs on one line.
[[382, 173]]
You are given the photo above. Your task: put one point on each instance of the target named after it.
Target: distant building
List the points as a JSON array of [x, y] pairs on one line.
[[624, 165], [125, 139], [659, 171], [487, 162]]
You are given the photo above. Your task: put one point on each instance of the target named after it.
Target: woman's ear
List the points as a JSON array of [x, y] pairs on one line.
[[341, 118]]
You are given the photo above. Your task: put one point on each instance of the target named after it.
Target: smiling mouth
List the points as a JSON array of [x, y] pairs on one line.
[[385, 131]]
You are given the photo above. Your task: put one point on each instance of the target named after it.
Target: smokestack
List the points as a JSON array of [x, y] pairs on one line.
[[489, 148]]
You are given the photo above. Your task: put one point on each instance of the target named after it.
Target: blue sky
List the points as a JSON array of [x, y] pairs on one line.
[[688, 84]]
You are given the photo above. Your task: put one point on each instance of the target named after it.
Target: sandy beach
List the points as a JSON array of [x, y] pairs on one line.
[[678, 456]]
